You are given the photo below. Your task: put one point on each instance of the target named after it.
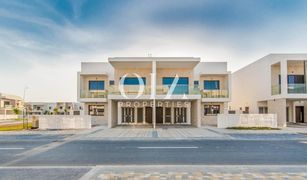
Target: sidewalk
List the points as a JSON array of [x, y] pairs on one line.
[[197, 172]]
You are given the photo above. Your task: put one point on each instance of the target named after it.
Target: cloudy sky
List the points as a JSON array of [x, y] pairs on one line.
[[42, 42]]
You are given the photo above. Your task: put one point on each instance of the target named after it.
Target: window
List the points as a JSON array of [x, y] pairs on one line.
[[182, 86], [96, 110], [133, 81], [296, 79], [196, 83], [211, 110], [111, 82], [211, 84], [263, 110], [96, 85], [246, 110]]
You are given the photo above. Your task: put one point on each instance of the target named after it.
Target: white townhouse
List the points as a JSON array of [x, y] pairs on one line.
[[154, 91], [273, 84]]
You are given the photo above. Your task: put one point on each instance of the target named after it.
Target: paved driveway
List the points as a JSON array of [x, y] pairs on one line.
[[126, 133]]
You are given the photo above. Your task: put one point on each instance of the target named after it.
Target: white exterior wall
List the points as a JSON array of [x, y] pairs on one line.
[[247, 120], [64, 122], [253, 82]]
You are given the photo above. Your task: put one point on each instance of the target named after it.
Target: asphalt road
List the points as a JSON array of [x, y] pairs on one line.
[[175, 152], [64, 157]]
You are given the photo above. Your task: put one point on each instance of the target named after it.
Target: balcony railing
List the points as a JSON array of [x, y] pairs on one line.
[[275, 89], [215, 93], [296, 88], [178, 90], [128, 90], [93, 94]]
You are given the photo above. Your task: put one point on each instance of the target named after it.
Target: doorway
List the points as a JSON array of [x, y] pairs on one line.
[[127, 115], [168, 115], [299, 114], [148, 115], [159, 115], [140, 115], [180, 115]]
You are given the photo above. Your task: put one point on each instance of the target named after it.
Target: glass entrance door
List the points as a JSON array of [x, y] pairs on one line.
[[168, 115], [180, 115], [127, 115]]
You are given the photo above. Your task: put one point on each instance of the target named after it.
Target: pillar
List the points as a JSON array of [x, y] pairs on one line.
[[153, 91], [283, 76]]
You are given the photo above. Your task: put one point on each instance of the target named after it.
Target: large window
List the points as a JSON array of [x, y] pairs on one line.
[[96, 110], [182, 86], [211, 84], [263, 110], [96, 85], [211, 110], [296, 79], [133, 81]]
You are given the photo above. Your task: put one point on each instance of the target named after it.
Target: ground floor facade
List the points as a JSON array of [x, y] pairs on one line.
[[191, 112], [288, 110]]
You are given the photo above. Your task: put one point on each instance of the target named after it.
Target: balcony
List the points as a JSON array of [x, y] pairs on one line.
[[296, 88], [93, 94], [128, 90], [275, 89], [178, 90], [215, 93]]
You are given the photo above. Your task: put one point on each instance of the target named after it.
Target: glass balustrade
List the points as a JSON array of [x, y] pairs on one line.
[[215, 93], [296, 88], [160, 90], [178, 90], [93, 94]]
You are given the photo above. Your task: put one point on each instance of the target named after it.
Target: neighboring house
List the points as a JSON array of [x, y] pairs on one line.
[[113, 94], [274, 84], [9, 102], [52, 108]]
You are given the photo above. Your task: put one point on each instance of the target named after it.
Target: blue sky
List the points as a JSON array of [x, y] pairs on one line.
[[42, 42]]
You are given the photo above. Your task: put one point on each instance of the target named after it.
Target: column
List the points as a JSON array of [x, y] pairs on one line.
[[144, 116], [135, 115], [225, 108], [189, 113], [153, 91], [172, 115], [198, 113], [163, 114], [119, 113], [284, 76]]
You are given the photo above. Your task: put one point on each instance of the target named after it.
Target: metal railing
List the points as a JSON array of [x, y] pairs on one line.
[[215, 93]]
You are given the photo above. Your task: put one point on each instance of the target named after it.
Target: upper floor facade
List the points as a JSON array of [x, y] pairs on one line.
[[154, 78]]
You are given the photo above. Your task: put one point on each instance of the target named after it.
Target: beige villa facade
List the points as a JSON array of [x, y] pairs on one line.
[[154, 91], [274, 84]]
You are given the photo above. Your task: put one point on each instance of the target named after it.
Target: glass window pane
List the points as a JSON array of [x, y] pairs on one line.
[[133, 81], [211, 84]]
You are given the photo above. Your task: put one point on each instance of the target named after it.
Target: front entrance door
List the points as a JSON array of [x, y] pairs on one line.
[[148, 115], [299, 114], [180, 115], [168, 115], [127, 114], [159, 115], [140, 115]]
